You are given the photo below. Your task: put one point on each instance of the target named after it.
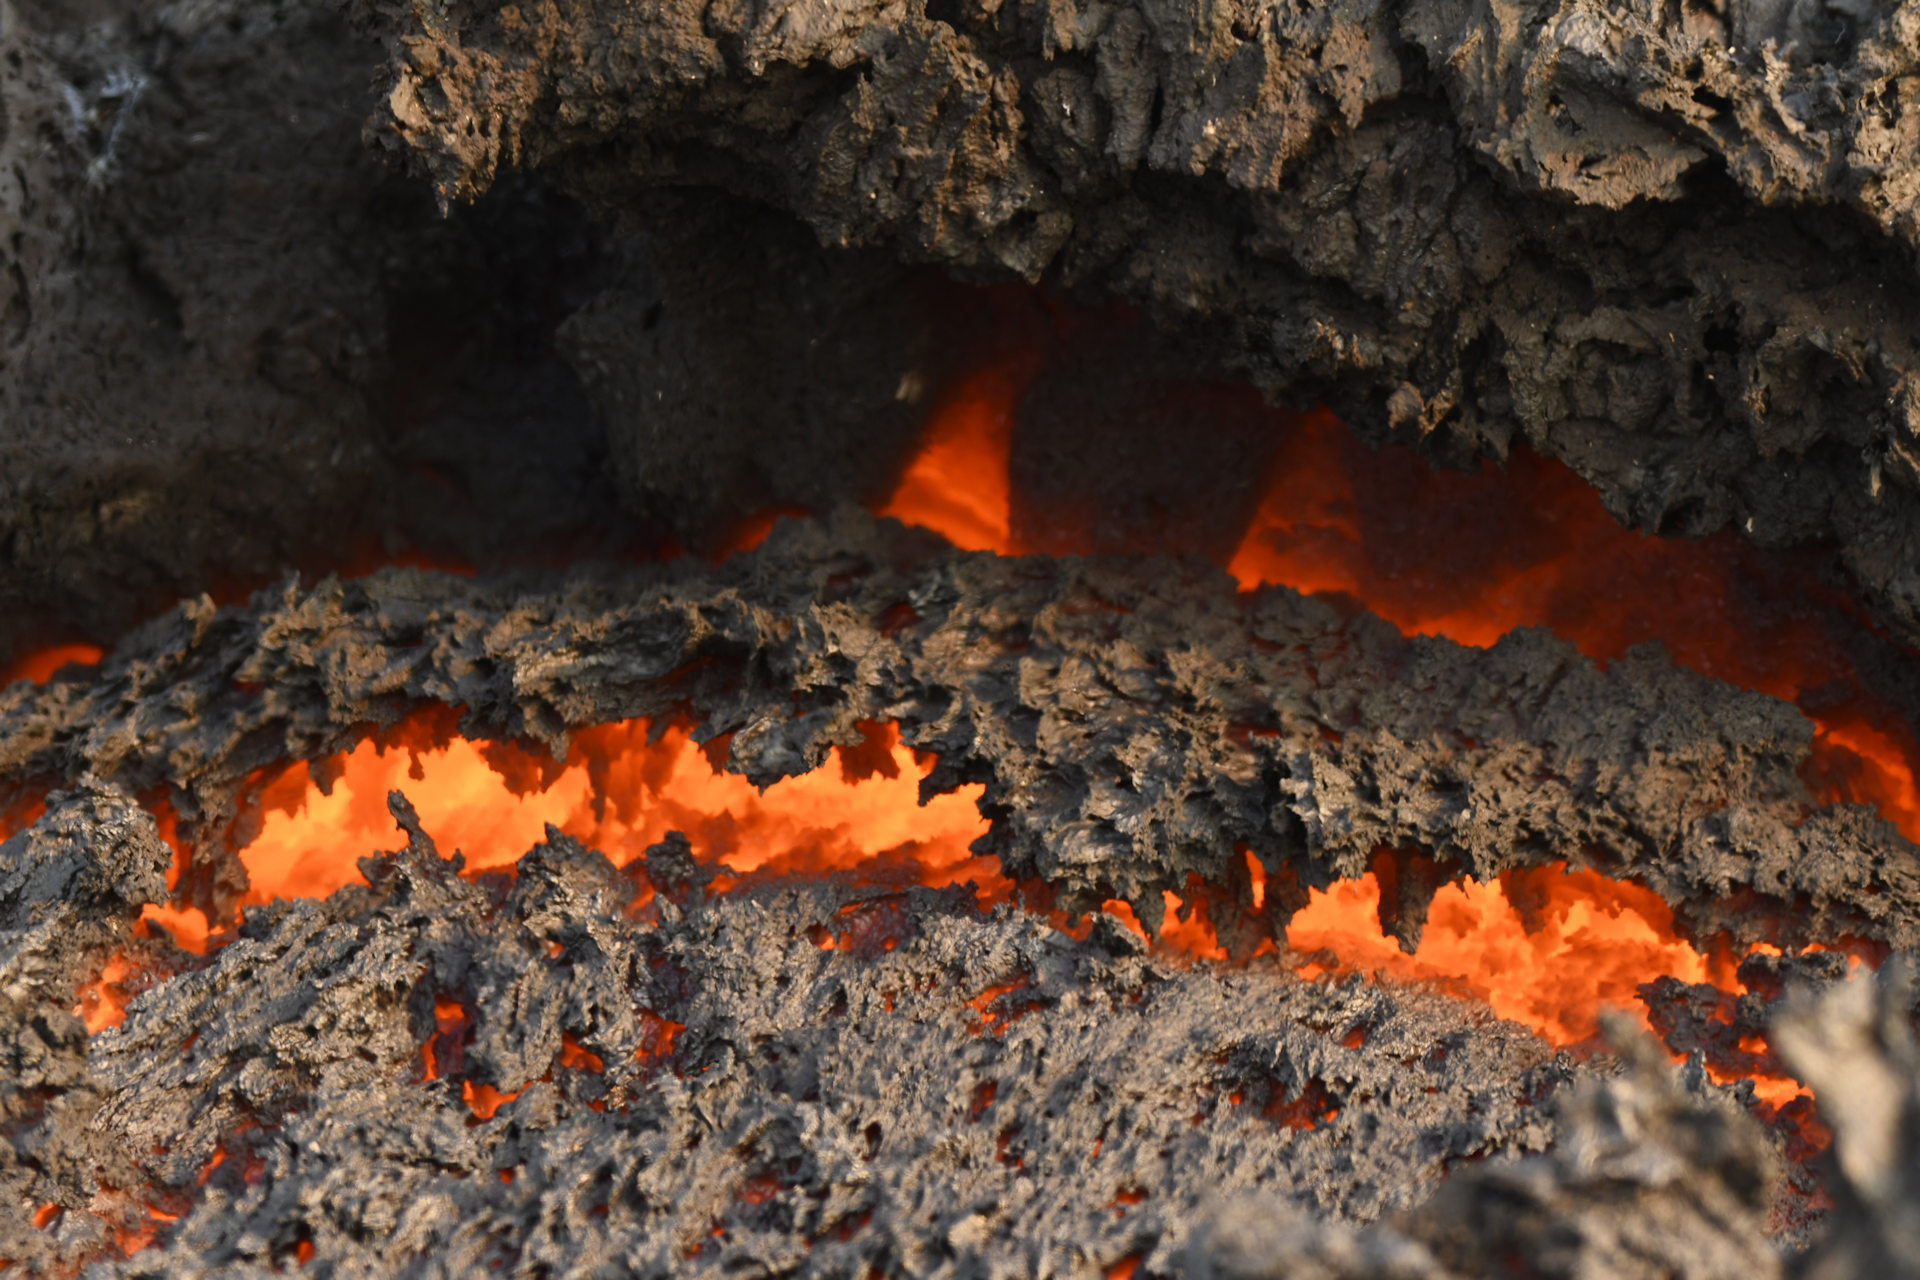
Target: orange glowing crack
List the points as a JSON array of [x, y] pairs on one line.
[[484, 1100], [957, 484], [1589, 942], [41, 666], [620, 793], [102, 1002]]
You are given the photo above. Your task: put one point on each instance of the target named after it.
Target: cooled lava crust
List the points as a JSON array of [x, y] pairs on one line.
[[1671, 245], [813, 1078]]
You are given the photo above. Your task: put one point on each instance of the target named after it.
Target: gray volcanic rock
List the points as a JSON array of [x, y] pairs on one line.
[[1675, 249], [172, 377], [1134, 721], [232, 343], [704, 1087], [69, 886], [1649, 1176], [1855, 1045]]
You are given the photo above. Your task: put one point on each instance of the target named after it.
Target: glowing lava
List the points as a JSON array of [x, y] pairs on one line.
[[1590, 943], [620, 792], [1584, 943], [41, 666], [103, 1003], [958, 484]]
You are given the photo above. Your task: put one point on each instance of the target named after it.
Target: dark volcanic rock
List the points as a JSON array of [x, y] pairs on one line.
[[69, 887], [739, 367], [1674, 248], [233, 343]]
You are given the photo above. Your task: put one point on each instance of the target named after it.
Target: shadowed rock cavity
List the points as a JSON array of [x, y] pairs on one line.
[[234, 342], [1674, 248]]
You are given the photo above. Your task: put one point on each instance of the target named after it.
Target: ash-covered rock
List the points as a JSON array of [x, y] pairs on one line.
[[1674, 248], [1134, 722], [809, 1078], [69, 887], [1854, 1045], [233, 343], [1652, 1174]]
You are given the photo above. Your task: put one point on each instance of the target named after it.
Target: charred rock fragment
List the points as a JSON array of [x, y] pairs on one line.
[[69, 887], [1674, 249]]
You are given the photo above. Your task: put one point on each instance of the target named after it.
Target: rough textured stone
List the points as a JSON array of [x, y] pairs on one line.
[[1134, 721], [1673, 247], [833, 1076]]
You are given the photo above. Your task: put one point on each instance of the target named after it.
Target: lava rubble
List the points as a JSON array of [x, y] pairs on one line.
[[596, 1089]]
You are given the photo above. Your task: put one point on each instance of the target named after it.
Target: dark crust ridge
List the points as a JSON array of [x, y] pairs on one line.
[[1135, 722], [1671, 246]]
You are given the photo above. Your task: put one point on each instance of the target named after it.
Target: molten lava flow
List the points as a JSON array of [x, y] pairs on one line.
[[1585, 944], [958, 484], [1591, 943], [41, 667], [103, 1003], [1473, 556], [619, 792]]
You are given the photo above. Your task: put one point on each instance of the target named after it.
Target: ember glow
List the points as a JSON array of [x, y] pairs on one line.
[[621, 790], [103, 1003], [1587, 944], [959, 484], [41, 665], [1466, 556], [1593, 941]]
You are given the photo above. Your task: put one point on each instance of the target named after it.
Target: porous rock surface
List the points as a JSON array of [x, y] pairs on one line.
[[812, 1079], [1649, 1176], [821, 1111], [1672, 245], [1135, 722], [818, 1076]]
